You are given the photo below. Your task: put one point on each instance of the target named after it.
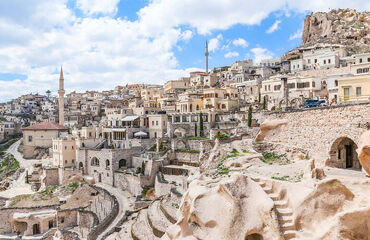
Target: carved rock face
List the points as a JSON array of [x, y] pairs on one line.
[[230, 209], [363, 151]]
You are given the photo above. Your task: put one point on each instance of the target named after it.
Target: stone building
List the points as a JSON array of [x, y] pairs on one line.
[[41, 135]]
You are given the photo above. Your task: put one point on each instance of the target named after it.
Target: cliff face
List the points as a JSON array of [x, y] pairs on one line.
[[342, 26]]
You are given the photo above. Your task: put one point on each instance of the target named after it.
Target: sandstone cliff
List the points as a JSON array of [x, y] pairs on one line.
[[342, 26]]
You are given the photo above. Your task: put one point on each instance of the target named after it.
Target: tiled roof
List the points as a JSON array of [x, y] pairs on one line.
[[46, 126]]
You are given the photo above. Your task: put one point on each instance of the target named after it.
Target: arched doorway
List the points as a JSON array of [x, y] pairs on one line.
[[254, 236], [122, 163], [343, 154], [81, 167]]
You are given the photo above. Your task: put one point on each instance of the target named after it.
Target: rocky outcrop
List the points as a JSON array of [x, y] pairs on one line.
[[269, 125], [325, 201], [363, 151], [342, 26], [244, 211]]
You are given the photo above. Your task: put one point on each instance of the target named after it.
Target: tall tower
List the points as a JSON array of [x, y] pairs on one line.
[[61, 97], [207, 54]]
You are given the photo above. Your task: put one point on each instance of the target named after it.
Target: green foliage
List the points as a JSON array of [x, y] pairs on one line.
[[49, 190], [73, 186], [8, 166], [264, 102], [250, 116], [175, 205], [187, 150], [296, 178], [142, 169], [196, 138], [201, 131], [271, 157], [196, 130], [221, 135], [259, 97], [5, 147], [234, 153]]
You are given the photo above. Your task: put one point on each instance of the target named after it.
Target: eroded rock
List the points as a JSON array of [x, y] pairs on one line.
[[268, 125], [363, 151]]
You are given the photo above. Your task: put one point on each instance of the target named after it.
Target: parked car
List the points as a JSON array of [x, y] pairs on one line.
[[309, 103]]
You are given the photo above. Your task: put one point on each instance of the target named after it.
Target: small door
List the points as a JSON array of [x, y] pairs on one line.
[[349, 160], [346, 94], [36, 229]]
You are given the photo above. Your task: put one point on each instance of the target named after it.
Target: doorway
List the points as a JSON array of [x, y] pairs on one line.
[[349, 160], [36, 228], [99, 177]]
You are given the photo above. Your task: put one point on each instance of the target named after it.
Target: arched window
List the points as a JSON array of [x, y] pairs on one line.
[[107, 163], [94, 161], [197, 107]]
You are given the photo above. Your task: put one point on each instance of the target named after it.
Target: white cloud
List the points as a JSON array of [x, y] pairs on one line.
[[99, 52], [214, 43], [186, 35], [240, 42], [296, 35], [231, 54], [90, 7], [274, 27], [260, 54]]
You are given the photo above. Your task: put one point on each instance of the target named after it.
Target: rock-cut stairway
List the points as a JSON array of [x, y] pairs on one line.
[[283, 211]]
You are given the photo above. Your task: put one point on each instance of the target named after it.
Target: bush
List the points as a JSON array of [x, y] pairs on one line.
[[221, 136]]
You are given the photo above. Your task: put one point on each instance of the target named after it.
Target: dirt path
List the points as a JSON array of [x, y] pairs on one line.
[[19, 186]]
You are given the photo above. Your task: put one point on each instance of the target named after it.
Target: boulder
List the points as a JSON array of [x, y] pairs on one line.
[[268, 125], [363, 151]]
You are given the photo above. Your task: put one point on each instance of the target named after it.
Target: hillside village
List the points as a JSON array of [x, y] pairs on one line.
[[274, 150]]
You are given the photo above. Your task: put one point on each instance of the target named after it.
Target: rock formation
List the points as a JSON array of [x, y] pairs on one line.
[[342, 26], [244, 211], [326, 200], [363, 151], [269, 125]]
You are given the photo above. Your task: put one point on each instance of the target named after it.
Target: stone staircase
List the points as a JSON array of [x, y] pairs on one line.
[[152, 223], [283, 211]]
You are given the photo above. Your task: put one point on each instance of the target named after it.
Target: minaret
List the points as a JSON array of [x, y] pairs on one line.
[[207, 57], [61, 97]]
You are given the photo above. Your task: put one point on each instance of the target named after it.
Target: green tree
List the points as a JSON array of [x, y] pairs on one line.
[[259, 97], [250, 116], [196, 129], [264, 102], [48, 92], [201, 125]]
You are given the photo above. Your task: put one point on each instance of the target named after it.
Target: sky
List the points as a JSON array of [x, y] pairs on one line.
[[105, 43]]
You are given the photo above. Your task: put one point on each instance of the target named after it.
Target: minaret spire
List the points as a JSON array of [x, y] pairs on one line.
[[61, 97], [206, 54]]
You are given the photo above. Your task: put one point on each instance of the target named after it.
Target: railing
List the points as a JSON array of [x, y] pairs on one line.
[[354, 98]]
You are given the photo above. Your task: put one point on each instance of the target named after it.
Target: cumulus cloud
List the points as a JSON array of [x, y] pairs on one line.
[[231, 54], [274, 27], [240, 42], [214, 43], [99, 51], [260, 54], [186, 35], [90, 7], [296, 35]]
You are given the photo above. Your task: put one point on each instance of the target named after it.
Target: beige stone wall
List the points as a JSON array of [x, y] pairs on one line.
[[316, 129]]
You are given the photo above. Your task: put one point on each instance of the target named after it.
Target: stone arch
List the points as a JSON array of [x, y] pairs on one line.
[[343, 154], [94, 161], [179, 132], [122, 163], [282, 103], [254, 236], [296, 103]]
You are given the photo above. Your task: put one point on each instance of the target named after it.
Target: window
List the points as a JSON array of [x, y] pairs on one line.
[[324, 61], [65, 161], [315, 60], [358, 91], [360, 60], [309, 61], [336, 83], [156, 123], [107, 163], [339, 155], [30, 138], [152, 123], [313, 84], [359, 70], [329, 61]]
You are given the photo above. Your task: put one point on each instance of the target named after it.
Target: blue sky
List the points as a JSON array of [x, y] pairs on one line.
[[102, 44]]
